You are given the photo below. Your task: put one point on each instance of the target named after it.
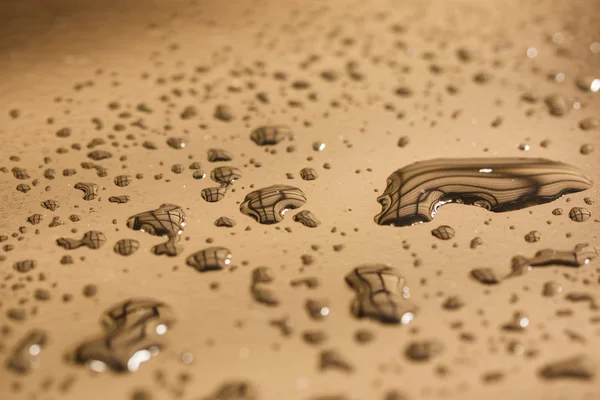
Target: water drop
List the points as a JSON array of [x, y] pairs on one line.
[[416, 192], [269, 204]]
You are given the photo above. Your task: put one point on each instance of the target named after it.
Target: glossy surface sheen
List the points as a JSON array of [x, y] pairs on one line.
[[187, 193]]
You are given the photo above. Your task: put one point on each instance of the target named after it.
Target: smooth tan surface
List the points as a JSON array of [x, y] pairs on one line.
[[48, 47]]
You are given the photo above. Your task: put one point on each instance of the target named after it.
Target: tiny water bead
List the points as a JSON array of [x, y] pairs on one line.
[[317, 309], [122, 199], [485, 276], [176, 143], [557, 105], [122, 180], [589, 124], [217, 155], [551, 288], [423, 350], [24, 266], [23, 188], [582, 254], [98, 155], [334, 360], [199, 174], [210, 259], [533, 236], [224, 113], [308, 174], [318, 146], [403, 141], [51, 205], [225, 222], [20, 173], [586, 149]]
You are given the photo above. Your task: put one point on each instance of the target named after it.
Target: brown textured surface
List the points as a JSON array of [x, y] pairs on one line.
[[48, 48]]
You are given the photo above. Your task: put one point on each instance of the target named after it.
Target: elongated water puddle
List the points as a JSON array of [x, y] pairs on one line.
[[415, 193]]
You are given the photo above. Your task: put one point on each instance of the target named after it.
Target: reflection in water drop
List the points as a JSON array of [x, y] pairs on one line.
[[225, 175], [214, 194], [582, 254], [215, 155], [551, 288], [415, 193], [98, 155], [307, 218], [308, 174], [381, 294], [269, 204], [333, 359], [176, 143], [168, 220], [199, 174], [579, 214], [51, 205], [262, 294], [25, 355], [317, 309], [90, 190], [578, 367], [518, 323], [35, 219], [225, 222], [270, 134], [126, 247], [133, 334], [234, 390], [589, 124], [423, 350], [210, 259], [119, 199], [122, 180], [91, 239], [557, 105], [24, 266], [485, 276], [533, 237], [443, 232], [23, 188], [20, 173]]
